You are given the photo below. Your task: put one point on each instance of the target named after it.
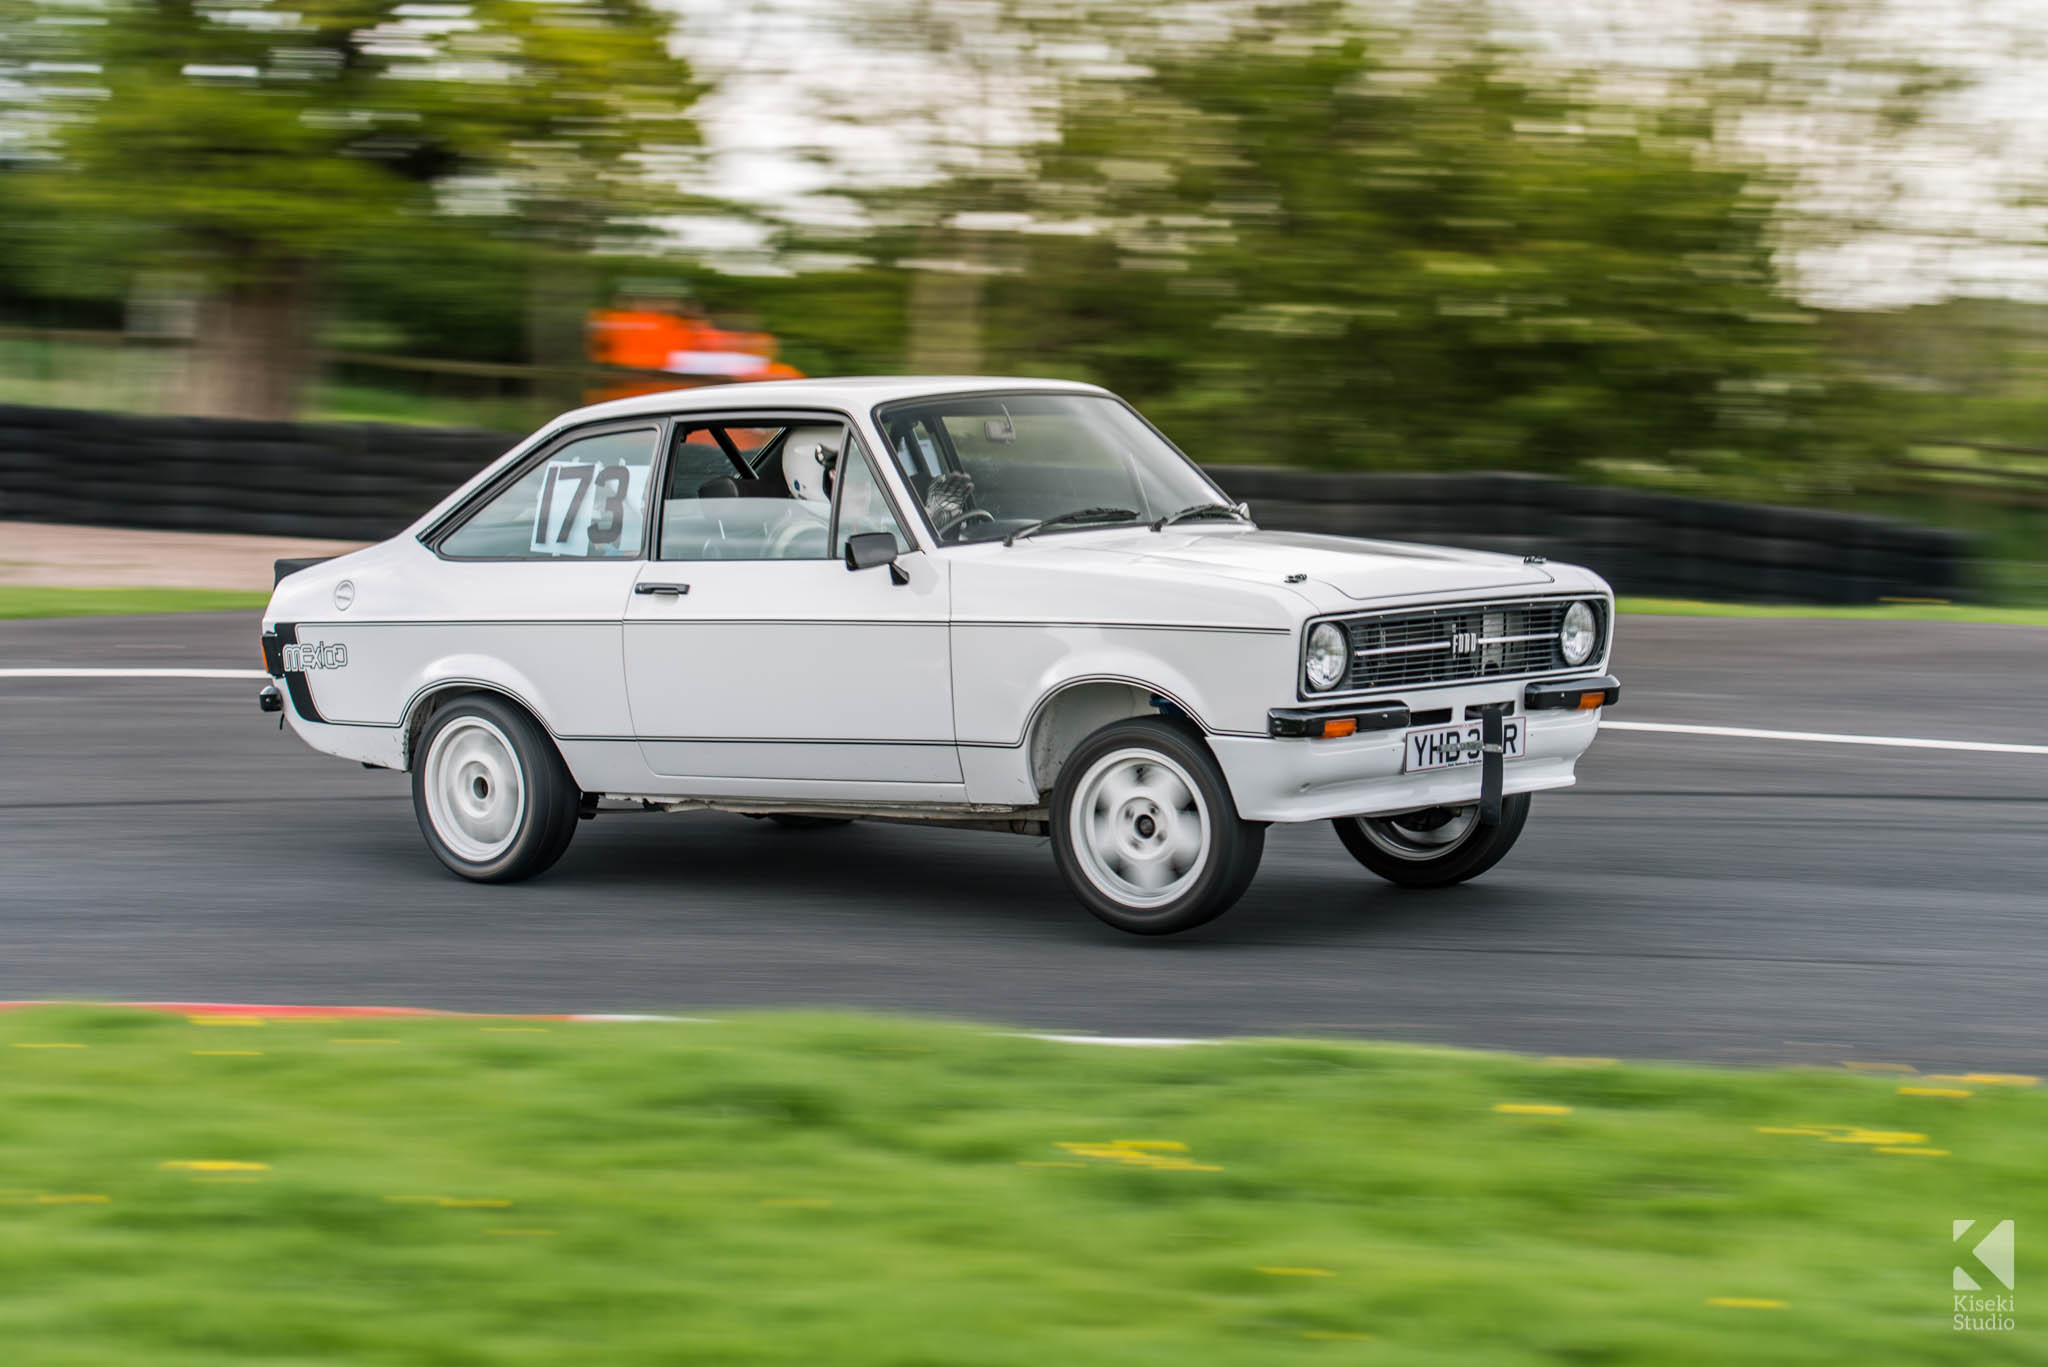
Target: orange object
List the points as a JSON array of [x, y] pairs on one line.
[[1339, 726], [658, 339], [1589, 701]]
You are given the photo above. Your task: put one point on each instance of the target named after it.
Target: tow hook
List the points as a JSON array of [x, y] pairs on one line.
[[1492, 754]]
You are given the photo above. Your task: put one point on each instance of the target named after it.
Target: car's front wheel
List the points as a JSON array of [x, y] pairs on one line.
[[1145, 832], [493, 797], [1435, 847]]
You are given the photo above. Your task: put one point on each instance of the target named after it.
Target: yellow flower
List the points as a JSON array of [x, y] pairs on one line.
[[212, 1165]]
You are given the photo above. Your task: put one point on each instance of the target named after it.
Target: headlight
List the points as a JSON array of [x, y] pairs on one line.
[[1328, 647], [1580, 634]]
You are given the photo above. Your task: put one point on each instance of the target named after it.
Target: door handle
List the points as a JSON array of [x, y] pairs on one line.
[[674, 590]]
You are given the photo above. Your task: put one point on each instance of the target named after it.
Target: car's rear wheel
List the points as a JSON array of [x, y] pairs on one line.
[[492, 795], [1436, 846], [1145, 832]]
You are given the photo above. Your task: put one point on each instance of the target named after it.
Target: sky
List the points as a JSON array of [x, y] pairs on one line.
[[1930, 214]]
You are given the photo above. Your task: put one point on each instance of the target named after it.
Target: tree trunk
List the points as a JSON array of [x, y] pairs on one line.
[[945, 317], [253, 356], [560, 289]]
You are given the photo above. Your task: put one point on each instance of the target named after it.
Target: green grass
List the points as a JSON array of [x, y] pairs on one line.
[[28, 601], [1875, 612], [859, 1191]]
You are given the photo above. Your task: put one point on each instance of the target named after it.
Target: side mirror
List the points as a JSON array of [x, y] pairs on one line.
[[870, 550]]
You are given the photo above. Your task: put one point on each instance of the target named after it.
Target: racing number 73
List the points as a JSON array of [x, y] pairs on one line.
[[609, 521]]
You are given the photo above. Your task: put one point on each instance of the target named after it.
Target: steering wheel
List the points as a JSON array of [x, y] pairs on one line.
[[970, 515]]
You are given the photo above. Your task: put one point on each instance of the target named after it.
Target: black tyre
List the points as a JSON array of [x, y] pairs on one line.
[[1145, 832], [492, 795], [1436, 847]]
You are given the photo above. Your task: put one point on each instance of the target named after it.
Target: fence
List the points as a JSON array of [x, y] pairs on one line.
[[364, 481], [1642, 543]]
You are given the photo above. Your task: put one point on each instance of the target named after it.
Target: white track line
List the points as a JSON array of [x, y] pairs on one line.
[[1989, 747], [132, 674]]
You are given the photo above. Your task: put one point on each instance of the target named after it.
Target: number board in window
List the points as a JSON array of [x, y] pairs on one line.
[[587, 508]]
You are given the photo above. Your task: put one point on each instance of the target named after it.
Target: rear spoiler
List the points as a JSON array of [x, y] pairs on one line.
[[285, 567]]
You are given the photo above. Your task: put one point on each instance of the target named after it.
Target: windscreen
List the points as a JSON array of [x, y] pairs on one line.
[[986, 465]]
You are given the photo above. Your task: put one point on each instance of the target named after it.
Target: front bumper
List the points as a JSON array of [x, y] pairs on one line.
[[1288, 777]]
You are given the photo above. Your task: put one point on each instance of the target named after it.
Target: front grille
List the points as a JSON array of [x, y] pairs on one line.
[[1456, 643]]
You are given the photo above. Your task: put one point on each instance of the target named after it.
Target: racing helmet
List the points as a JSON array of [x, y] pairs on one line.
[[809, 457]]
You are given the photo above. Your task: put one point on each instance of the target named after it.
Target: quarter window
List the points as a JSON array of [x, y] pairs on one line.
[[587, 500]]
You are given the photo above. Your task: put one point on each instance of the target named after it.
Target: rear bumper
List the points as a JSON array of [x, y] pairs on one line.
[[1296, 779]]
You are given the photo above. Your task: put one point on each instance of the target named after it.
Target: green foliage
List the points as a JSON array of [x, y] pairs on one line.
[[253, 136], [859, 1191], [1325, 245], [251, 148], [446, 288]]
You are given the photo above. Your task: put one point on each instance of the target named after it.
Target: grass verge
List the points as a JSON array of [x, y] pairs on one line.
[[17, 601], [1874, 612], [818, 1189]]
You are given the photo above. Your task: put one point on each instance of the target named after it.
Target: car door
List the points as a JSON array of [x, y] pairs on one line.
[[534, 579], [757, 663]]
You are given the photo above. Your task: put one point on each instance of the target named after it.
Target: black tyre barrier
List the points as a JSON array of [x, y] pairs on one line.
[[362, 481]]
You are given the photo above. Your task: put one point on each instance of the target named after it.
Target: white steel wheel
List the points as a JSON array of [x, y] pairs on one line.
[[1436, 846], [494, 800], [1144, 829], [476, 793], [1140, 827]]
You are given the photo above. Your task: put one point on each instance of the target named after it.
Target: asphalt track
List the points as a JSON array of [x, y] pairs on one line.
[[1699, 897]]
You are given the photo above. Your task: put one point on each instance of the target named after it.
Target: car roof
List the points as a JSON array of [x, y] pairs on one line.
[[851, 391]]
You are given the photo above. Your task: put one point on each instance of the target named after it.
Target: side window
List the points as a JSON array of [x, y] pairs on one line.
[[863, 507], [698, 460], [587, 500], [782, 512]]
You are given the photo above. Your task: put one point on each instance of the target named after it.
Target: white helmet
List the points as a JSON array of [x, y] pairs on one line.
[[809, 455]]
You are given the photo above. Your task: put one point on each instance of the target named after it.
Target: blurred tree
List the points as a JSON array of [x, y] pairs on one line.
[[1303, 234], [260, 145], [1316, 243]]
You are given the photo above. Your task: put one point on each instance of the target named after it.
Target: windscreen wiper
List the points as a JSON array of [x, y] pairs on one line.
[[1078, 515], [1236, 510]]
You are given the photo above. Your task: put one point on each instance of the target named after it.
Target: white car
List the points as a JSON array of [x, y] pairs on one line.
[[996, 604]]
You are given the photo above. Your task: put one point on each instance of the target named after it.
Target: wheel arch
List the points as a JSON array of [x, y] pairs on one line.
[[422, 706], [1075, 709]]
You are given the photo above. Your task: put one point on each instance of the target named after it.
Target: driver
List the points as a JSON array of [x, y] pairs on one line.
[[809, 456], [950, 498]]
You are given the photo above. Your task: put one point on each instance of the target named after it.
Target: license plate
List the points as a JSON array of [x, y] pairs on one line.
[[1446, 747]]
